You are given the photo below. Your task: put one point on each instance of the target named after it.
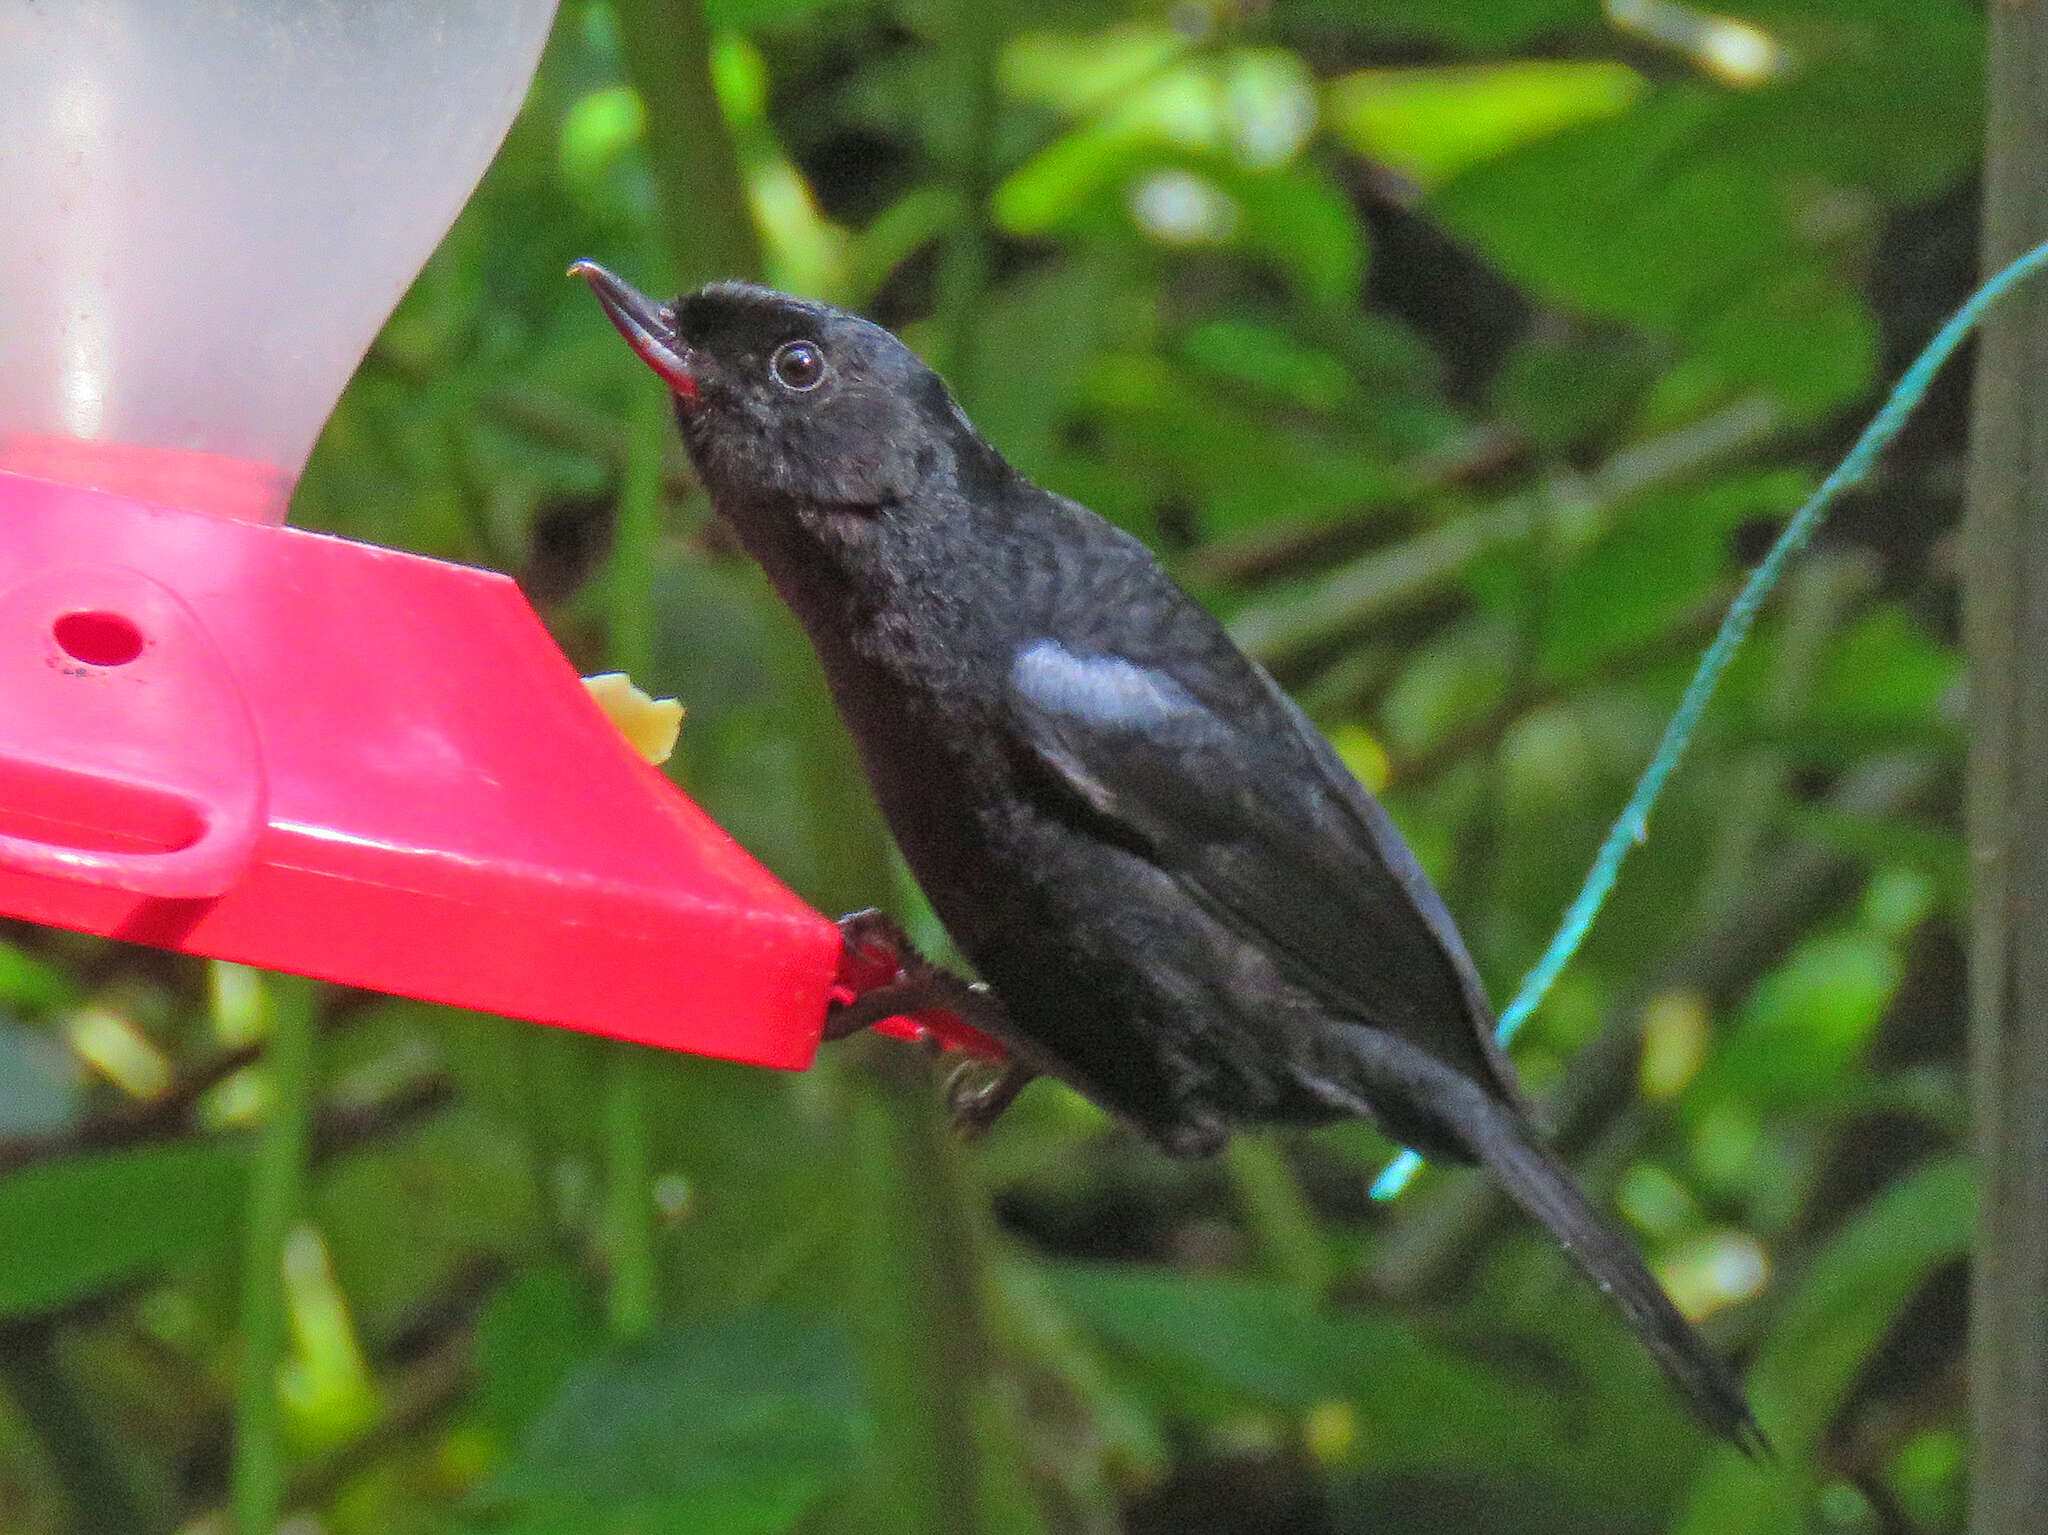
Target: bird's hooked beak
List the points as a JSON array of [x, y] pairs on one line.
[[649, 328]]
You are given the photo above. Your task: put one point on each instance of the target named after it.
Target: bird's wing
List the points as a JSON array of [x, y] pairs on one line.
[[1251, 810]]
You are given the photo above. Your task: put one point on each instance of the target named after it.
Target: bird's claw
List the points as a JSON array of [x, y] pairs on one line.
[[975, 1100], [882, 975], [876, 938]]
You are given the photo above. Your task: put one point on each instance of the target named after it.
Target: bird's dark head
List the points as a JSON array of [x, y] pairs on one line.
[[783, 400]]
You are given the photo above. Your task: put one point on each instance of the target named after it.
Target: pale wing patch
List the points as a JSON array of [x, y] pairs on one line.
[[1105, 692]]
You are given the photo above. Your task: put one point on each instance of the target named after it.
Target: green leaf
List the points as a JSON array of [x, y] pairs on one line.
[[531, 1335], [1809, 1359], [79, 1225], [1182, 437], [1097, 158], [1473, 23], [410, 1211], [1056, 317], [1806, 1022], [1798, 333], [1664, 554], [1202, 153], [1431, 123], [1455, 679], [730, 1426], [1835, 116], [32, 983], [1262, 1342], [1884, 669], [1562, 390], [918, 218], [745, 14], [1271, 361], [1636, 218], [599, 129], [1297, 218], [1936, 852], [1079, 75]]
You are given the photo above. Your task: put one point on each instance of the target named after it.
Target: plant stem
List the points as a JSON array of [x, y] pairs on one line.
[[1290, 1243], [632, 1301], [923, 1267], [1357, 594], [636, 539], [974, 46], [276, 1194], [917, 1272], [707, 228]]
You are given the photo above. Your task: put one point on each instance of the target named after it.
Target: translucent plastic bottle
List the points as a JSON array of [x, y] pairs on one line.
[[232, 738], [210, 208]]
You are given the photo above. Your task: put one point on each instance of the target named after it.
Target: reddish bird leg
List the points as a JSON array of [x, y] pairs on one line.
[[886, 980]]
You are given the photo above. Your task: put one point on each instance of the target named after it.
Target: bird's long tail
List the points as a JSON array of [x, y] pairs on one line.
[[1540, 1184]]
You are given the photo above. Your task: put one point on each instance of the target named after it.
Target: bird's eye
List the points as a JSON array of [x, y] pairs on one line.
[[798, 365]]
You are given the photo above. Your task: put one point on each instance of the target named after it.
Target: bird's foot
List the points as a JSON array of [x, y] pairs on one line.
[[900, 981], [975, 1100], [876, 941]]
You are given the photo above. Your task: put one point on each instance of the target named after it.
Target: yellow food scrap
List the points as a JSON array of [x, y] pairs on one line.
[[650, 724]]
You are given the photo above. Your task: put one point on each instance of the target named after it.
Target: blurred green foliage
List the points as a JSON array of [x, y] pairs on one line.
[[1456, 351]]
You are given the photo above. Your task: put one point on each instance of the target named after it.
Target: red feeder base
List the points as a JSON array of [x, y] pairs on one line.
[[259, 744]]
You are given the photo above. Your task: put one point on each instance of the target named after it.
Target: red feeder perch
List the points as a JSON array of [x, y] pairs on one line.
[[231, 738]]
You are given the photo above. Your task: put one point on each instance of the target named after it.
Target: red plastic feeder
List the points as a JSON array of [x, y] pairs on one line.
[[227, 737], [250, 742]]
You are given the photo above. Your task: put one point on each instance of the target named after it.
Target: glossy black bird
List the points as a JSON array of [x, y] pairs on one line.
[[1184, 904]]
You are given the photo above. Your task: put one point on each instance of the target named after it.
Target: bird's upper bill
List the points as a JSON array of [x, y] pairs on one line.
[[649, 328]]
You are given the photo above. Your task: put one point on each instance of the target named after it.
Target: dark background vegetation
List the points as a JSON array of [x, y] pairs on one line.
[[1459, 352]]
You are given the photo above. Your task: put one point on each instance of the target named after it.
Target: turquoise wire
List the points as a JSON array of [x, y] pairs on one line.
[[1633, 825]]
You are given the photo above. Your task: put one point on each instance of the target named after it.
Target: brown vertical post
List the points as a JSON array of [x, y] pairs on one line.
[[2006, 619]]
